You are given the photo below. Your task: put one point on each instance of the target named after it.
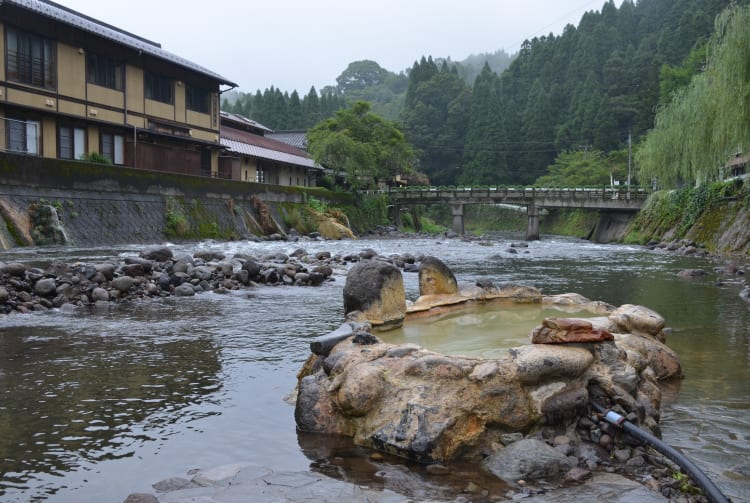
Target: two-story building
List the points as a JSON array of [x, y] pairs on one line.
[[71, 85], [251, 156]]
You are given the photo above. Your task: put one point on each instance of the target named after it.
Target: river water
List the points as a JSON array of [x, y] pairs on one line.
[[98, 403]]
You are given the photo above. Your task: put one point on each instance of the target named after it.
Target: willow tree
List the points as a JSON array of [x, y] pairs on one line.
[[709, 119]]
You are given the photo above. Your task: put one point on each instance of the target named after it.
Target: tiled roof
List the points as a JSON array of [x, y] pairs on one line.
[[70, 17], [241, 119], [295, 138], [243, 142]]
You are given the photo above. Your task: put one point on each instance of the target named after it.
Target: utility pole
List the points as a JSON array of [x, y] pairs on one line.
[[630, 142]]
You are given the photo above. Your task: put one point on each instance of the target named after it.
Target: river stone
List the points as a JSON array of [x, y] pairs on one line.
[[629, 318], [3, 295], [57, 268], [691, 273], [325, 270], [184, 290], [376, 289], [14, 269], [526, 459], [106, 269], [45, 287], [225, 268], [157, 253], [182, 266], [133, 270], [203, 272], [566, 331], [252, 267], [436, 278], [541, 362], [123, 283], [99, 294]]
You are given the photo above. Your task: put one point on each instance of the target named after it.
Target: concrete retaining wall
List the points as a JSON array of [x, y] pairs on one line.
[[100, 204]]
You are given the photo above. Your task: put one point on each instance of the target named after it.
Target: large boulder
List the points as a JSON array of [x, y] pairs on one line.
[[436, 278], [331, 229], [376, 289]]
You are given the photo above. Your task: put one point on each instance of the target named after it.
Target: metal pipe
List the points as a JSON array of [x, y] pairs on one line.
[[712, 492]]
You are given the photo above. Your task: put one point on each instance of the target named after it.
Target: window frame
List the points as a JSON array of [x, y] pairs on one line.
[[20, 64], [114, 154], [198, 99], [77, 149], [104, 71], [158, 88]]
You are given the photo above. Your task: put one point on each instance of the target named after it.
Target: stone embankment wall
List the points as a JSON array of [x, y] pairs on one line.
[[99, 204]]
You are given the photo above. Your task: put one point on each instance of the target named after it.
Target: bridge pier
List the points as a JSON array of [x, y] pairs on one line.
[[394, 214], [457, 209], [532, 229]]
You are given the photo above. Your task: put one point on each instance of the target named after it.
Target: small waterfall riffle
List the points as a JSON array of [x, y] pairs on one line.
[[47, 226]]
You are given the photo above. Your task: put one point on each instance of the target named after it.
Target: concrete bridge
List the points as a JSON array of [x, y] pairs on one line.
[[607, 200]]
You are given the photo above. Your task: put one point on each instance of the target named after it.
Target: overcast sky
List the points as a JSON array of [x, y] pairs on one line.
[[295, 44]]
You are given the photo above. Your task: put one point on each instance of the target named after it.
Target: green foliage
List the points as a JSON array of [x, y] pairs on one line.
[[710, 118], [676, 212], [368, 212], [672, 78], [317, 204], [360, 145], [95, 157], [585, 169], [429, 226], [435, 118], [298, 218], [483, 165], [190, 220], [284, 111], [176, 224]]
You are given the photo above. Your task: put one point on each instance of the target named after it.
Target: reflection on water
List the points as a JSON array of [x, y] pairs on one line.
[[82, 394], [100, 403]]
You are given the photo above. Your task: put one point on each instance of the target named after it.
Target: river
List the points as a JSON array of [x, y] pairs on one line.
[[101, 402]]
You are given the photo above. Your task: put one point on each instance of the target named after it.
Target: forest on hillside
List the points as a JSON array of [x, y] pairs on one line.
[[586, 90], [362, 80]]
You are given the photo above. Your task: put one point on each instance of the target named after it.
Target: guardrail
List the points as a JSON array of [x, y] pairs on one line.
[[520, 194]]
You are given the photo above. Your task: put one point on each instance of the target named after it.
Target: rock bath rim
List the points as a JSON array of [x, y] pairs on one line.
[[435, 408]]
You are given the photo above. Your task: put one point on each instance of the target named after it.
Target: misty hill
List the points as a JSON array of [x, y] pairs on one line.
[[362, 80]]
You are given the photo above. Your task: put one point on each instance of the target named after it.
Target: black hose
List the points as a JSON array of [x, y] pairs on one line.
[[712, 492]]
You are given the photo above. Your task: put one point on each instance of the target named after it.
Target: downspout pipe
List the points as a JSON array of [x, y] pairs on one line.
[[712, 492]]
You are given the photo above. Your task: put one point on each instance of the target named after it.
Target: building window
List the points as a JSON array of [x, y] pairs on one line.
[[159, 88], [23, 136], [113, 147], [105, 72], [71, 142], [30, 58], [206, 162], [197, 99]]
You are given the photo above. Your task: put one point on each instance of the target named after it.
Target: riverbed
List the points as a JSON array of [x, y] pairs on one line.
[[97, 403]]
